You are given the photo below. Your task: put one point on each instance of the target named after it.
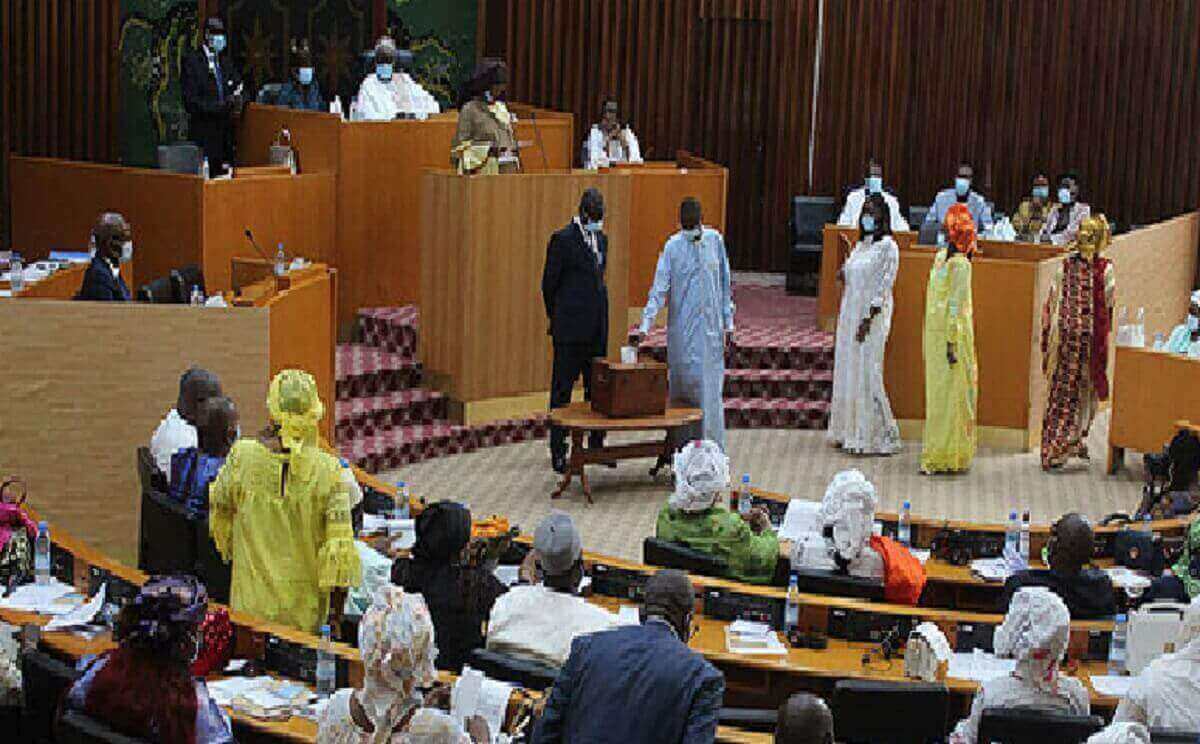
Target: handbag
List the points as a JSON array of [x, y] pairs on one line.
[[1139, 550], [17, 534]]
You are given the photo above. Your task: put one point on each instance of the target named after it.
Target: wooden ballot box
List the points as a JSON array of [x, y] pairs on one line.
[[625, 390]]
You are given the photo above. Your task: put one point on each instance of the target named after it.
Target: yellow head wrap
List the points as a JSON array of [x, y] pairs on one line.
[[294, 404]]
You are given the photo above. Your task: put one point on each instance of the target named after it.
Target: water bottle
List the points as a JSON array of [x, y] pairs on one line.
[[280, 261], [1139, 329], [197, 295], [1023, 545], [1148, 524], [792, 617], [1116, 648], [1012, 535], [400, 509], [745, 499], [326, 665], [904, 525], [41, 554], [16, 277], [292, 161], [204, 170]]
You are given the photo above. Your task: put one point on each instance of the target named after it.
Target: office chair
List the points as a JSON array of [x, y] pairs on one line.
[[666, 554], [916, 215], [45, 680], [814, 581], [878, 712], [182, 281], [158, 292], [268, 95], [181, 157], [211, 569], [151, 478], [166, 536], [1033, 726], [749, 719], [810, 214], [79, 728], [507, 668], [1173, 736]]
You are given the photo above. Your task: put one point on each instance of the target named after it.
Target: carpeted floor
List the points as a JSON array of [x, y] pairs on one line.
[[516, 481]]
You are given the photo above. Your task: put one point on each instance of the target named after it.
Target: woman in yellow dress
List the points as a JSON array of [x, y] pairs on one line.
[[280, 512], [951, 374]]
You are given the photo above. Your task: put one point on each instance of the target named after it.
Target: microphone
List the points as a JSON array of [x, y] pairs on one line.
[[537, 132], [250, 237]]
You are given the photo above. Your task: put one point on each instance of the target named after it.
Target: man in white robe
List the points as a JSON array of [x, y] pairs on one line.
[[872, 184], [611, 142], [387, 94]]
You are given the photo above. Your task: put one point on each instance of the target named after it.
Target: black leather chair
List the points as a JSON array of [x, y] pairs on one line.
[[182, 281], [1033, 726], [157, 292], [666, 554], [838, 585], [181, 157], [810, 214], [877, 712], [79, 728], [151, 478], [211, 569], [916, 215], [44, 680], [506, 668], [749, 719], [1173, 736], [167, 537]]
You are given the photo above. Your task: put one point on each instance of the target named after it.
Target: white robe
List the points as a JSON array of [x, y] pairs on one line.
[[603, 152], [854, 204], [1010, 691], [860, 416], [1167, 693], [380, 101], [172, 435]]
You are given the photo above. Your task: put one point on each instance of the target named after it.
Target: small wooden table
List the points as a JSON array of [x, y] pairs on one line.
[[579, 419]]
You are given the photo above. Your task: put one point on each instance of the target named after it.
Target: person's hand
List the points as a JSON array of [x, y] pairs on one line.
[[950, 357], [864, 327], [528, 572], [438, 696], [785, 548], [477, 729], [758, 519]]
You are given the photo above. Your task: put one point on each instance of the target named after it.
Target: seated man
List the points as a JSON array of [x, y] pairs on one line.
[[610, 141], [691, 517], [112, 238], [178, 430], [1062, 223], [847, 520], [302, 91], [1185, 337], [804, 719], [1166, 694], [1032, 212], [388, 94], [1087, 592], [872, 184], [538, 622], [638, 683], [960, 193], [194, 468]]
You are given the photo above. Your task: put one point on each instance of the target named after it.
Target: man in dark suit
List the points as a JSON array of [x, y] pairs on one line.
[[212, 96], [1087, 592], [637, 683], [577, 306], [102, 281]]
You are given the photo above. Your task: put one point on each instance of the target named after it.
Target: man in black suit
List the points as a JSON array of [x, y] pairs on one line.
[[577, 306], [102, 281], [212, 96]]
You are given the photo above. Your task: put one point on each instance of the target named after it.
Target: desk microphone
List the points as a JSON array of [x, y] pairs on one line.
[[250, 237], [537, 132]]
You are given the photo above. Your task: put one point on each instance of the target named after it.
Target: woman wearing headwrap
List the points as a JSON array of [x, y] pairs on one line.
[[1076, 321], [1166, 695], [485, 141], [144, 688], [691, 517], [280, 512], [951, 374], [395, 638], [1035, 632], [460, 597], [1185, 337]]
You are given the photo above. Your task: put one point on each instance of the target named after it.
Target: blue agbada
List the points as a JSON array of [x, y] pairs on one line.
[[693, 276], [296, 96]]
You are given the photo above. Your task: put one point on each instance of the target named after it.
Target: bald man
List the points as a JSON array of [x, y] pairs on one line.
[[178, 429], [1087, 592], [804, 719], [102, 282]]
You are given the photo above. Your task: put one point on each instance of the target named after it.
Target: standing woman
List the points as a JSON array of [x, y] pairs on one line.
[[860, 418], [485, 141], [951, 373]]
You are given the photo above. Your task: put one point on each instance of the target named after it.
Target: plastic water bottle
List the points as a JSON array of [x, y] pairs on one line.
[[41, 554], [16, 277], [745, 499], [204, 170], [280, 261], [326, 665], [904, 525], [1139, 329], [1023, 544], [400, 509], [197, 295], [1012, 535], [1116, 649], [792, 615]]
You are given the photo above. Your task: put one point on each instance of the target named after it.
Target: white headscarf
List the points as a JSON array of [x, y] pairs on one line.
[[1122, 733], [1196, 297], [430, 726], [1035, 632], [701, 473], [849, 506]]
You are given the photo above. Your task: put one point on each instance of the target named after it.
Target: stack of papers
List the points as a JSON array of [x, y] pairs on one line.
[[990, 569], [1111, 685], [979, 666], [81, 615], [55, 598], [1125, 578], [802, 517], [744, 637], [261, 697], [477, 695]]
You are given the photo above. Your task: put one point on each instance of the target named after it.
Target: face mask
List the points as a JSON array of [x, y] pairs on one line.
[[1064, 196], [217, 42], [127, 251], [306, 75], [875, 184], [487, 96], [383, 71], [962, 186], [941, 240], [1041, 192], [694, 234], [1193, 323], [594, 227], [92, 246], [868, 223]]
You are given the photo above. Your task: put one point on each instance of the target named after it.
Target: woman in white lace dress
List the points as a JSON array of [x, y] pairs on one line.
[[395, 638], [860, 416]]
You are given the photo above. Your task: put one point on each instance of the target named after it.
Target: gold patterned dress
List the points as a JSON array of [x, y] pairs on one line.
[[951, 390]]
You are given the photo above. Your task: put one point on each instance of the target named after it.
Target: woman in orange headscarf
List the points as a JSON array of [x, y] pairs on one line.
[[951, 373]]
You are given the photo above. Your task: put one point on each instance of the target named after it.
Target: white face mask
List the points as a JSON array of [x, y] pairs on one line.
[[92, 246], [594, 227], [1193, 323], [127, 251], [694, 234]]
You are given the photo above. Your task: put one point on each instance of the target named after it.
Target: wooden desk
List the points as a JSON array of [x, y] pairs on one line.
[[62, 284], [1151, 392], [579, 419]]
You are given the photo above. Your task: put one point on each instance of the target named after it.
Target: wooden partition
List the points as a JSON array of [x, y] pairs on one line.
[[1155, 268], [483, 247], [1152, 391]]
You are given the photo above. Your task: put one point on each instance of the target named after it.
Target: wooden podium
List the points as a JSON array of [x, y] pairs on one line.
[[483, 246]]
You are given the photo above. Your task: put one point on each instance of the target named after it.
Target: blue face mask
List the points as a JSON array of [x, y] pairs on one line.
[[868, 223], [1193, 323], [383, 71], [875, 184], [217, 42], [306, 75], [941, 240], [594, 227], [1064, 195], [962, 186], [1041, 192]]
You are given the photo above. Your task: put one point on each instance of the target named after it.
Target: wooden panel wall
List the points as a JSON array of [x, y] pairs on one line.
[[59, 83], [1110, 88]]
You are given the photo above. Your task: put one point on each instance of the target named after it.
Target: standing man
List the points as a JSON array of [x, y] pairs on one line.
[[693, 276], [872, 184], [212, 96], [961, 193], [102, 282], [576, 301]]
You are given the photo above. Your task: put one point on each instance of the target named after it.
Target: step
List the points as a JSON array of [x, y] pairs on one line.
[[366, 371], [804, 384], [394, 329], [395, 447], [363, 416], [776, 413], [798, 356]]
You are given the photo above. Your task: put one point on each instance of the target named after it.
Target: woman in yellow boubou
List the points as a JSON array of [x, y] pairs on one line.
[[951, 373], [280, 512]]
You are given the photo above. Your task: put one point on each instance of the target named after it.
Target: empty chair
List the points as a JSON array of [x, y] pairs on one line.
[[1032, 726], [167, 540], [667, 554], [77, 728], [837, 584], [183, 280], [151, 478], [878, 712], [45, 680], [158, 292], [181, 157], [810, 214], [507, 668], [916, 215]]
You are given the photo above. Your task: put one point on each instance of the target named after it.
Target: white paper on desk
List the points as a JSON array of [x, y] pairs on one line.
[[1126, 578], [1112, 685], [380, 524], [921, 555], [508, 575], [746, 627], [990, 569], [802, 517], [476, 695], [81, 615], [44, 599], [979, 666], [223, 691], [629, 615], [755, 644]]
